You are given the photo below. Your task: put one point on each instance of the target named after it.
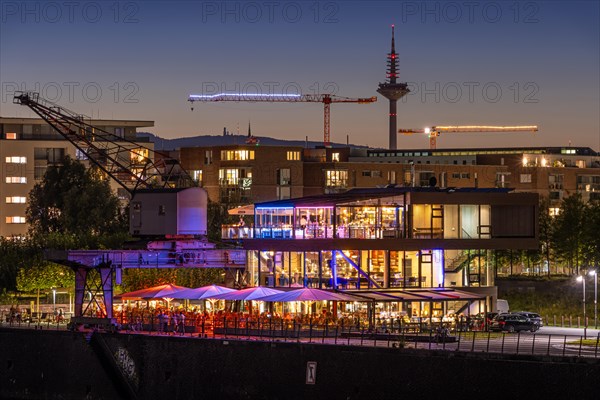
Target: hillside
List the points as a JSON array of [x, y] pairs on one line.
[[220, 140]]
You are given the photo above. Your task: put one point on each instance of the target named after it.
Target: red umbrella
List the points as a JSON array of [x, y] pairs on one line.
[[156, 292]]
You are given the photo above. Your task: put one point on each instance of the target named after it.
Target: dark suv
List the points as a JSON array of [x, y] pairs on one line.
[[513, 323], [536, 318]]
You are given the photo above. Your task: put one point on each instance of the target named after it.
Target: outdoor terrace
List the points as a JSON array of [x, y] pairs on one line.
[[385, 213]]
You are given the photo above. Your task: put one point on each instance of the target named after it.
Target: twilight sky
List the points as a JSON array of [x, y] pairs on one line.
[[472, 62]]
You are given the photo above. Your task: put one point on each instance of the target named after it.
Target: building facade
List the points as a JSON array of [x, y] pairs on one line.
[[28, 146], [246, 173], [249, 174], [409, 244]]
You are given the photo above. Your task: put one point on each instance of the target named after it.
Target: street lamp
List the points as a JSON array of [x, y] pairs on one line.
[[580, 278], [595, 275], [54, 300]]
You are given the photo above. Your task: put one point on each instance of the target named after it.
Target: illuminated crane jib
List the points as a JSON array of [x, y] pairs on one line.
[[434, 131], [326, 99]]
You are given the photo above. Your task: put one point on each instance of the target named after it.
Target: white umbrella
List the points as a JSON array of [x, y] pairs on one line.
[[253, 293]]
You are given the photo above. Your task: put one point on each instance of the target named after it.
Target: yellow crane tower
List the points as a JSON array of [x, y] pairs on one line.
[[435, 131]]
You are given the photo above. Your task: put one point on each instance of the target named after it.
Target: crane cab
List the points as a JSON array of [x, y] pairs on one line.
[[163, 212]]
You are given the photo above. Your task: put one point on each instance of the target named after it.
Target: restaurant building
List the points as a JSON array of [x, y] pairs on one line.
[[422, 251]]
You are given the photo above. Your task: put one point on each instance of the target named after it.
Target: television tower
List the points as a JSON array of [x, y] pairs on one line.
[[393, 90]]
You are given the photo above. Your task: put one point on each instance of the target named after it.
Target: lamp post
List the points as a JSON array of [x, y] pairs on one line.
[[594, 273], [581, 278], [54, 300]]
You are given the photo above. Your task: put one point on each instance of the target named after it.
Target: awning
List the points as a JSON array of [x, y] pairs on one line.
[[433, 294], [242, 210]]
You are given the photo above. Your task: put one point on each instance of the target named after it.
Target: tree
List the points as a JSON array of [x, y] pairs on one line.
[[42, 276], [73, 200], [546, 225], [591, 248], [14, 254], [569, 230], [218, 215]]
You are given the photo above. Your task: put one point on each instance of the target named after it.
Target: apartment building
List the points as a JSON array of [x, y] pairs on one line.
[[247, 174], [28, 146]]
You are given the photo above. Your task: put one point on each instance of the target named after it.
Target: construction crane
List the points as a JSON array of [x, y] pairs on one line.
[[132, 165], [326, 99], [135, 168], [435, 131]]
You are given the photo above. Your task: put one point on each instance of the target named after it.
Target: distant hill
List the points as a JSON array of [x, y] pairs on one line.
[[220, 140]]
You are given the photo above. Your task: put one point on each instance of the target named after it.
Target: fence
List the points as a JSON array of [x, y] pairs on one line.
[[291, 331]]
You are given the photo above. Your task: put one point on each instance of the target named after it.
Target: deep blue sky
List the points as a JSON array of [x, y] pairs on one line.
[[543, 56]]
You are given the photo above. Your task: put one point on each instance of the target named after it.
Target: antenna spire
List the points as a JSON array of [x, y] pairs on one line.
[[392, 63]]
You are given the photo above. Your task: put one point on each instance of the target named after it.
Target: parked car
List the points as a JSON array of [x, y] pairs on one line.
[[513, 323], [484, 320], [535, 317]]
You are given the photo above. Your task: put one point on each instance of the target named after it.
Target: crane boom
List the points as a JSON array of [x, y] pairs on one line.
[[129, 163], [435, 131], [326, 99]]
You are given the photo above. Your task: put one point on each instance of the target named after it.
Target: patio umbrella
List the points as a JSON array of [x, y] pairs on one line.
[[248, 294], [156, 292], [253, 293], [202, 293], [308, 294]]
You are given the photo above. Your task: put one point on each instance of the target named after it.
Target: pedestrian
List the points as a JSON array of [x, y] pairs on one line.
[[174, 322], [182, 322], [161, 322]]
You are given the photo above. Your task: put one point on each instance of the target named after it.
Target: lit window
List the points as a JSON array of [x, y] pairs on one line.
[[16, 200], [15, 220], [16, 160], [554, 211], [196, 175], [284, 176], [138, 156], [11, 136], [335, 156], [525, 178], [336, 178], [80, 155], [235, 177], [237, 155], [293, 156], [16, 179]]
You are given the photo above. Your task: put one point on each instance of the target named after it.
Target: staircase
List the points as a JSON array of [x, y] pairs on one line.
[[458, 263]]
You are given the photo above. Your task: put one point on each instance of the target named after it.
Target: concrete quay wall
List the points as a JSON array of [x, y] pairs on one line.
[[73, 365]]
